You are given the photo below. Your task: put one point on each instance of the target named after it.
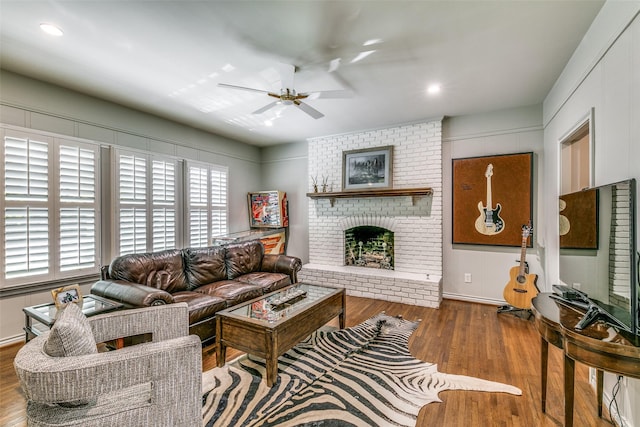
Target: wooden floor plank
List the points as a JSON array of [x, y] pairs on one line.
[[462, 338]]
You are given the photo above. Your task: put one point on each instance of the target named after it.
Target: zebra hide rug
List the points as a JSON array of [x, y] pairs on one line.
[[358, 376]]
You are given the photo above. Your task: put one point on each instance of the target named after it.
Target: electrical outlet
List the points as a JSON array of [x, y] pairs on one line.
[[467, 277]]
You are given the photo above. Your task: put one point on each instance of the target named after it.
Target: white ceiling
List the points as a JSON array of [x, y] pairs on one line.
[[167, 57]]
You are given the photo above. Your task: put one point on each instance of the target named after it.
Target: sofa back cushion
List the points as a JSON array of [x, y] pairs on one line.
[[203, 266], [162, 270], [243, 258]]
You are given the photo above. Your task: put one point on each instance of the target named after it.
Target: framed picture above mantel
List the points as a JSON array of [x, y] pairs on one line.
[[367, 169]]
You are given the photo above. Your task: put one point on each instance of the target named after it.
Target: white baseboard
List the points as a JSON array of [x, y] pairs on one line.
[[12, 340], [461, 297]]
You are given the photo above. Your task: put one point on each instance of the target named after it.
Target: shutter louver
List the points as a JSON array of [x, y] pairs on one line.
[[26, 170], [77, 238], [207, 204], [164, 229], [26, 187], [26, 241], [133, 231], [163, 200], [77, 223], [198, 207], [133, 220], [218, 202], [198, 228], [133, 182]]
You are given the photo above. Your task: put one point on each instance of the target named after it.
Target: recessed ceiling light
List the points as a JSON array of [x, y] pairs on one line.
[[434, 88], [51, 29]]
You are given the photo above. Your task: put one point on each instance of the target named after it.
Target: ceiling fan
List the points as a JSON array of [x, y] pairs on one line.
[[289, 96]]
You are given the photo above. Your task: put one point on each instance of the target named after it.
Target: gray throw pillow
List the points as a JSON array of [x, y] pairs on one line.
[[71, 334]]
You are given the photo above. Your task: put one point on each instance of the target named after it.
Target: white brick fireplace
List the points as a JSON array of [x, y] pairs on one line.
[[416, 223]]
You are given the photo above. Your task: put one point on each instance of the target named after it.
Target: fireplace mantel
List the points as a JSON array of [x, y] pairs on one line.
[[394, 192]]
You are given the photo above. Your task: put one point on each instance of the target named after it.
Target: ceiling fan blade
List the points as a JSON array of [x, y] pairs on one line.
[[331, 94], [309, 110], [287, 72], [242, 88], [266, 107]]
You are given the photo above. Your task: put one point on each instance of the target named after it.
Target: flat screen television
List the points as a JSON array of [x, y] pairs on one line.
[[598, 252]]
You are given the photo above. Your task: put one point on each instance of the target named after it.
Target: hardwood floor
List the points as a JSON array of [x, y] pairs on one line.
[[462, 338]]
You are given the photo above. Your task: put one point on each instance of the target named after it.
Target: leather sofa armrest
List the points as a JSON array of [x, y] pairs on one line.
[[273, 263], [131, 294]]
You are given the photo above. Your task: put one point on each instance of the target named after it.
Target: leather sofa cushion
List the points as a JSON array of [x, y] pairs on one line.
[[161, 270], [232, 291], [243, 258], [204, 265], [269, 282], [131, 294], [201, 306]]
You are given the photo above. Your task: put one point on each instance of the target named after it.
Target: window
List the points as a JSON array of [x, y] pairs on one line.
[[78, 207], [50, 208], [146, 199], [164, 205], [51, 217], [207, 198]]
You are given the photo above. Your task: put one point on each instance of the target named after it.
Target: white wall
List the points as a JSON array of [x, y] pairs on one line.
[[41, 106], [516, 130], [603, 74], [284, 167], [417, 227], [417, 162]]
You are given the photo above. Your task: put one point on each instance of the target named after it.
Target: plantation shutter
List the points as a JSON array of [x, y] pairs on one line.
[[78, 207], [26, 188], [198, 203], [218, 202], [164, 205], [207, 196], [132, 200]]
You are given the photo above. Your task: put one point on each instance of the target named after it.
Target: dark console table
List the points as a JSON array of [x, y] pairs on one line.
[[40, 318], [599, 346]]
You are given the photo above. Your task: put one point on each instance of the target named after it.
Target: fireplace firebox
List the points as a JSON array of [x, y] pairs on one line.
[[369, 246]]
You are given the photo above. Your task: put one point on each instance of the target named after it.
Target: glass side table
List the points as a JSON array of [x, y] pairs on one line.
[[40, 318]]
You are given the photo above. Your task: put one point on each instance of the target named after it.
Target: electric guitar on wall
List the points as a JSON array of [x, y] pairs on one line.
[[489, 221], [521, 288]]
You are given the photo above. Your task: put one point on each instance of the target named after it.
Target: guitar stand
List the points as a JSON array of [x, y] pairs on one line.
[[515, 310]]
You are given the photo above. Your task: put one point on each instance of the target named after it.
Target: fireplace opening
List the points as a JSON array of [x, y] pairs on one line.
[[369, 246]]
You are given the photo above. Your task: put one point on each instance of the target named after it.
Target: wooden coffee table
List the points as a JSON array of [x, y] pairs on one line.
[[269, 326]]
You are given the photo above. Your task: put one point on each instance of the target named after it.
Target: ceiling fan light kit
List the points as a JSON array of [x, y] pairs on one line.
[[289, 96]]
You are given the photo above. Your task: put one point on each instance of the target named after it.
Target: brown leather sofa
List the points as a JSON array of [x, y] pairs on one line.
[[208, 279]]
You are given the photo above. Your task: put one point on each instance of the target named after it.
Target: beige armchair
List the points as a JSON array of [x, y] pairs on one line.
[[155, 383]]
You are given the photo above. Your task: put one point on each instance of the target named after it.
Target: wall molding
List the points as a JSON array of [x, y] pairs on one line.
[[31, 110], [492, 133]]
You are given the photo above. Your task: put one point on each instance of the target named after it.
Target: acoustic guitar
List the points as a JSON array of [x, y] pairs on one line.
[[489, 222], [521, 288]]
